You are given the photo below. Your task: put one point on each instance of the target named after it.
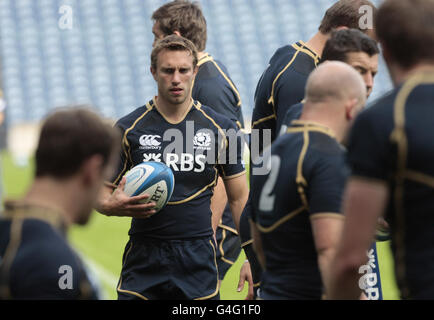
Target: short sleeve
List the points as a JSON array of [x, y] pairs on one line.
[[369, 146], [123, 162], [326, 185], [231, 162]]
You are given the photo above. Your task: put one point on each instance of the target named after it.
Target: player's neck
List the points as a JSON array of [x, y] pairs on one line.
[[317, 43], [400, 75], [173, 113], [323, 119], [49, 193]]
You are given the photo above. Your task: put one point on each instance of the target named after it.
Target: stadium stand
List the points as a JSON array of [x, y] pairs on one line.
[[104, 58]]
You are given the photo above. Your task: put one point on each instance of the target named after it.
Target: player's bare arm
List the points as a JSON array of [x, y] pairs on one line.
[[237, 192], [117, 203], [364, 202], [326, 229], [218, 203], [257, 243]]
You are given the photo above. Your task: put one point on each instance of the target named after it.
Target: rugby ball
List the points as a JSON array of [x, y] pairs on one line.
[[153, 178]]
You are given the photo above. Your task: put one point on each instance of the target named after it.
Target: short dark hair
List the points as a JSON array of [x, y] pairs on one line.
[[406, 29], [344, 13], [185, 17], [173, 43], [344, 41], [68, 137]]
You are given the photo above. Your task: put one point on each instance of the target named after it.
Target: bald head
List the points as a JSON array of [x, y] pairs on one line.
[[335, 81], [335, 94]]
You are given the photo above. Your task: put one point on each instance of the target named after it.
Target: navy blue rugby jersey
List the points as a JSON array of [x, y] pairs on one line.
[[293, 113], [213, 87], [195, 153], [306, 180], [36, 259], [282, 85], [393, 142]]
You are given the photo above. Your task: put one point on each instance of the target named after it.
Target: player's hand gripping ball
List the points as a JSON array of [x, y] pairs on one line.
[[153, 178]]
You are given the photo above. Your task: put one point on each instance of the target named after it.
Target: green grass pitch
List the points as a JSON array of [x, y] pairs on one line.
[[102, 241]]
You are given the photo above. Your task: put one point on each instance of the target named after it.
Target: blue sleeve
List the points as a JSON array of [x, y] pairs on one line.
[[231, 162], [326, 184], [124, 161]]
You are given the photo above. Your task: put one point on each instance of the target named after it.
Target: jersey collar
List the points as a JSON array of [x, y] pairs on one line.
[[206, 58], [27, 210], [153, 104], [302, 46], [311, 126]]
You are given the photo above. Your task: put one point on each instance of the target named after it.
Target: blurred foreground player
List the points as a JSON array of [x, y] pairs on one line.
[[296, 206], [75, 154], [172, 254], [391, 156], [212, 87], [283, 83]]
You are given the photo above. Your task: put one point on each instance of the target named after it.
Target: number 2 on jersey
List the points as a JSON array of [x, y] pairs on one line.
[[266, 200]]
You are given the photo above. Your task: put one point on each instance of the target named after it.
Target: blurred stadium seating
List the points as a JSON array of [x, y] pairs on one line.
[[104, 58]]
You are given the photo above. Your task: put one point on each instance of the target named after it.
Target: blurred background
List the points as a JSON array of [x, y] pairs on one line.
[[59, 52]]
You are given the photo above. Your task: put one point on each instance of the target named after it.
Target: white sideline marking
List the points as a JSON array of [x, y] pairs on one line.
[[102, 273]]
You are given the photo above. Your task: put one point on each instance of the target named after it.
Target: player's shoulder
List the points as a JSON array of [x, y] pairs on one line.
[[378, 115], [129, 119], [326, 143], [286, 51], [293, 113], [214, 117], [42, 257], [213, 80], [381, 106], [209, 69], [46, 239]]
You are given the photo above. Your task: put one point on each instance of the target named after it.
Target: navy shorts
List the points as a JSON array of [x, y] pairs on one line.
[[169, 269], [228, 250]]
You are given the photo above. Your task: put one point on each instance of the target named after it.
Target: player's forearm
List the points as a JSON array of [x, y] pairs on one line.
[[218, 203], [237, 207], [343, 282], [324, 263], [103, 204], [257, 244]]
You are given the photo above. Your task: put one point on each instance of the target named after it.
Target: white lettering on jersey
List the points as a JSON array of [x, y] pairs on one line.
[[186, 162]]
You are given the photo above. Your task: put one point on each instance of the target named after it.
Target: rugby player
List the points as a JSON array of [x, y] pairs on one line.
[[390, 153], [283, 82], [212, 87], [352, 47], [36, 260], [296, 206], [282, 85], [172, 254]]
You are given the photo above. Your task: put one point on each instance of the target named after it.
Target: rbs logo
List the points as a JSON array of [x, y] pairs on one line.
[[179, 162]]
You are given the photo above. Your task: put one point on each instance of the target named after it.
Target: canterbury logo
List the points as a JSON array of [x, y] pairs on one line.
[[150, 141]]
